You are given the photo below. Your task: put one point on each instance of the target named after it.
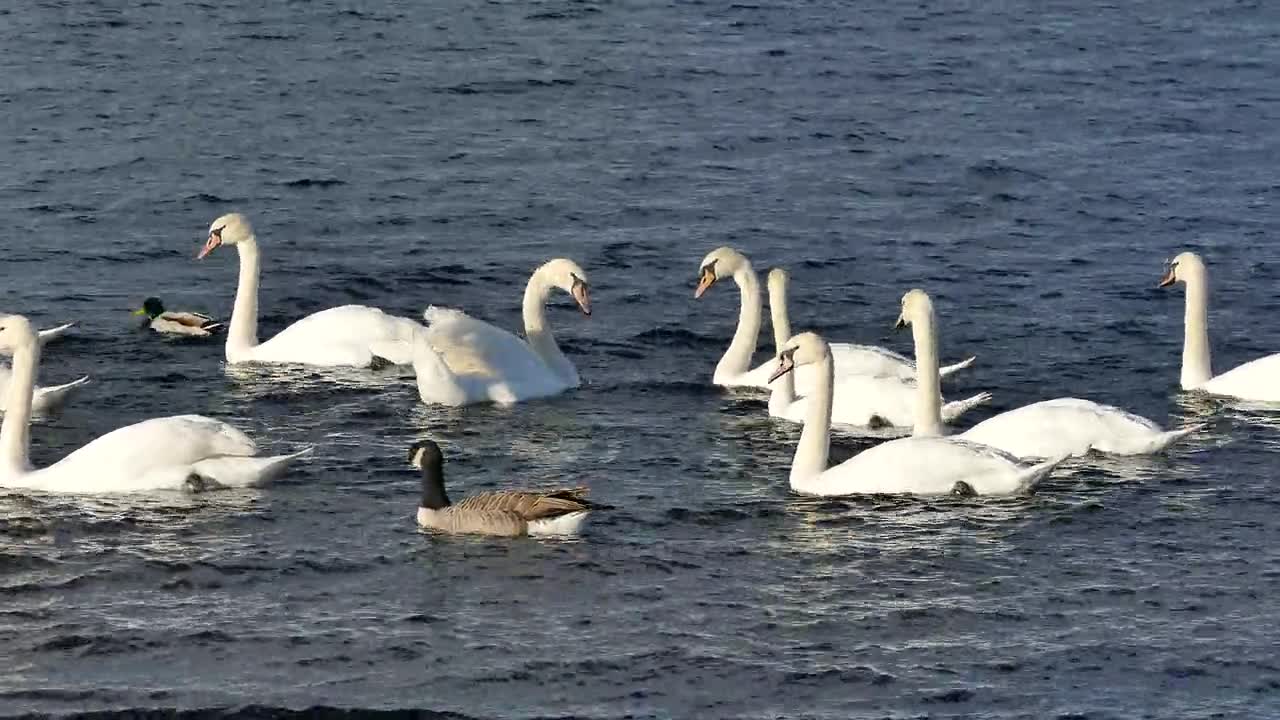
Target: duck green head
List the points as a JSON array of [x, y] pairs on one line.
[[151, 307]]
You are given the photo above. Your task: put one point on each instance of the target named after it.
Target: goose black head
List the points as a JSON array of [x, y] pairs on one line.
[[426, 456]]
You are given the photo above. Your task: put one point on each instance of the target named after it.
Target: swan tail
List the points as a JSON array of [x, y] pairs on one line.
[[1031, 477], [240, 472], [953, 410], [946, 370], [1165, 439], [54, 333], [51, 398]]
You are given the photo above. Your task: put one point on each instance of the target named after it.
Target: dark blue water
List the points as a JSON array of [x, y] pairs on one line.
[[1031, 165]]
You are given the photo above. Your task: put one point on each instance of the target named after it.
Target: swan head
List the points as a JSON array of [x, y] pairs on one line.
[[721, 263], [916, 306], [230, 229], [803, 349], [570, 277], [778, 280], [1182, 268], [15, 333]]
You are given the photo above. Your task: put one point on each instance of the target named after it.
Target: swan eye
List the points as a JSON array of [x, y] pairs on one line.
[[217, 232]]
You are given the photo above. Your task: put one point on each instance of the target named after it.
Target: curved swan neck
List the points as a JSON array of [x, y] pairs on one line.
[[784, 388], [928, 406], [242, 333], [737, 359], [815, 439], [536, 331], [15, 431], [1197, 368]]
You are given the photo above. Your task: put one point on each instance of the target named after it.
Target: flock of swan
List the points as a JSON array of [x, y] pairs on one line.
[[460, 360]]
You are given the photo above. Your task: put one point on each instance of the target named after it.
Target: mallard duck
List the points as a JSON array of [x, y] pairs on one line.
[[509, 513], [176, 323]]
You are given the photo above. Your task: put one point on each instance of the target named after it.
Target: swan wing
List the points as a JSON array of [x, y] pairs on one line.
[[475, 348], [921, 466], [1064, 426], [1255, 380], [235, 471], [530, 505], [345, 335], [150, 455]]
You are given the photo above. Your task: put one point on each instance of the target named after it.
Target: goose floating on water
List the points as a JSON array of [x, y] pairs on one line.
[[509, 513]]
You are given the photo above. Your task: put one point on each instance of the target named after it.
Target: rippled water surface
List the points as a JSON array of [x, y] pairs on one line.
[[1031, 168]]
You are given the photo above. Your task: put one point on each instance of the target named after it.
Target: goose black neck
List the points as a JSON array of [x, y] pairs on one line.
[[433, 495]]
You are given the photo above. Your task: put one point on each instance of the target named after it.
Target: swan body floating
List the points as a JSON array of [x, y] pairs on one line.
[[509, 513], [860, 400], [910, 465], [734, 369], [1048, 429], [460, 360], [168, 322], [346, 336], [1255, 380], [179, 452], [1070, 425]]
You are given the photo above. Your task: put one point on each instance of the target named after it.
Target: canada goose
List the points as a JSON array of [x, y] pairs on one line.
[[509, 513], [176, 323]]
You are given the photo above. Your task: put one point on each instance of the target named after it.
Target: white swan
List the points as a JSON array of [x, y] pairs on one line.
[[184, 451], [350, 335], [1072, 426], [460, 360], [860, 400], [734, 369], [1255, 380], [1052, 428], [46, 398], [914, 465]]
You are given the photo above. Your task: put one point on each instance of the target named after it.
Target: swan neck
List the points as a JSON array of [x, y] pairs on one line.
[[928, 405], [737, 359], [242, 333], [784, 388], [1197, 366], [536, 330], [811, 453], [779, 317], [15, 431]]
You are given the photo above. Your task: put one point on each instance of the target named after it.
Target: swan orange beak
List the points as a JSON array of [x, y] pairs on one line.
[[582, 296], [707, 279], [1168, 279], [215, 239], [786, 364]]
